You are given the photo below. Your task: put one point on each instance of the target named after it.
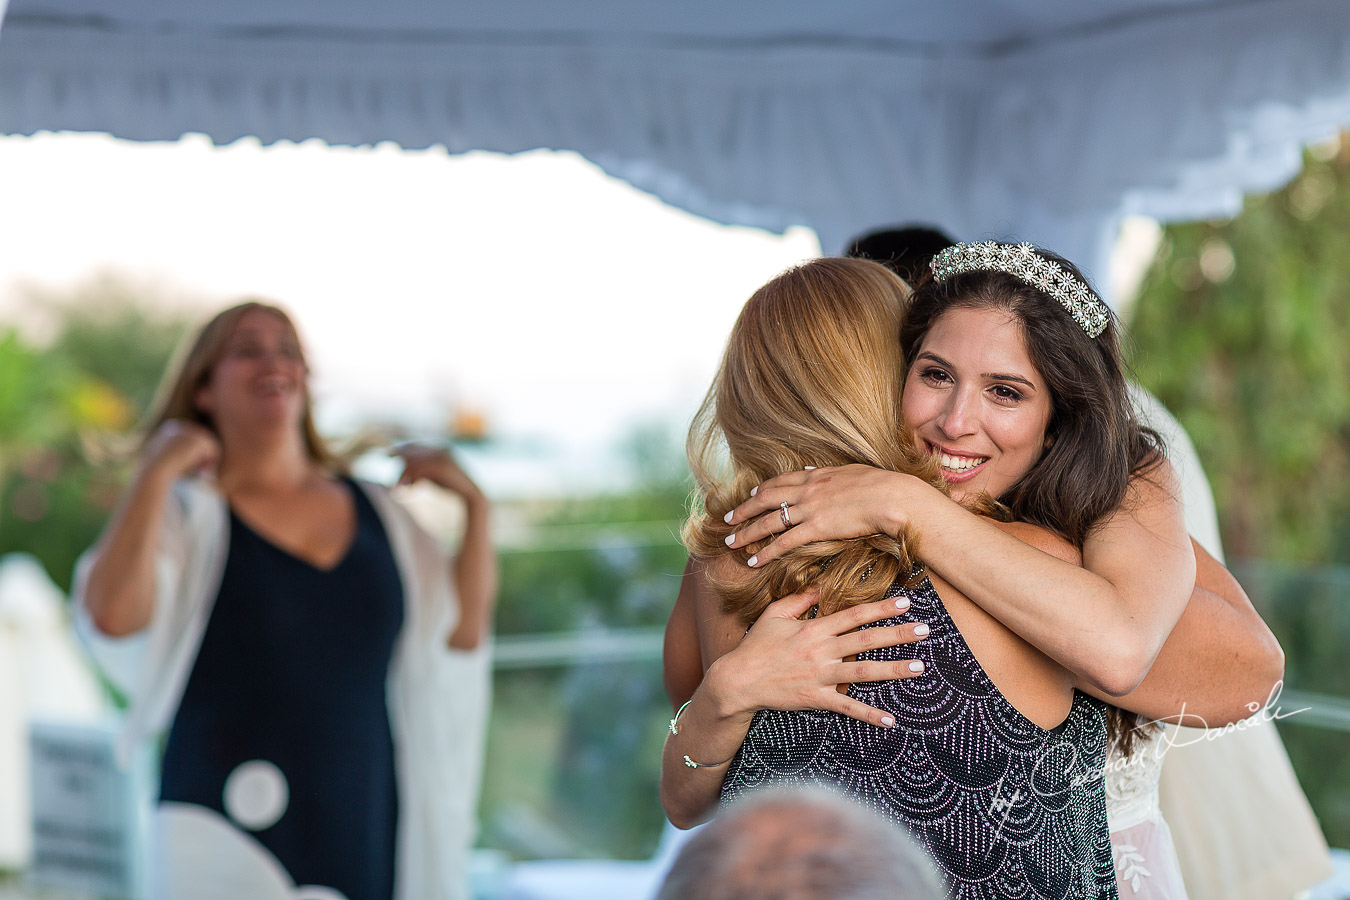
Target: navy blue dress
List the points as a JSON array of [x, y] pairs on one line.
[[291, 672]]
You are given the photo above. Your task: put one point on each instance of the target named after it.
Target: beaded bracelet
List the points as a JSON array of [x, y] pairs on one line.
[[674, 729]]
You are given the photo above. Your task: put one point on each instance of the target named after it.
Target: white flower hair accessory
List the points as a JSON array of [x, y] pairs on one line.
[[1023, 262]]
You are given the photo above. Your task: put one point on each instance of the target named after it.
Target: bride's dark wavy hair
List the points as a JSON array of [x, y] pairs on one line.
[[1094, 441], [812, 376]]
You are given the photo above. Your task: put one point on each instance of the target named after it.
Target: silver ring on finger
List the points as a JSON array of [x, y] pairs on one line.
[[783, 514]]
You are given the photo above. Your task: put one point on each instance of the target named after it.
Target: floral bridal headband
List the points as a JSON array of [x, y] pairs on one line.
[[1024, 263]]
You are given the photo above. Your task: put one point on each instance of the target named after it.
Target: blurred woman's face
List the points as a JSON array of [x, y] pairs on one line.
[[973, 395], [260, 379]]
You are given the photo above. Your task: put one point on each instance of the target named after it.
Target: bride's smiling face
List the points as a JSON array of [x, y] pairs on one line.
[[973, 395]]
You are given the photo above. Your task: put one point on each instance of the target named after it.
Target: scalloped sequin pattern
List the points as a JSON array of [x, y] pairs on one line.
[[1005, 808]]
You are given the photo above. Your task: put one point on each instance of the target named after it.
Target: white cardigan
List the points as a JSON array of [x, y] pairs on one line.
[[437, 696]]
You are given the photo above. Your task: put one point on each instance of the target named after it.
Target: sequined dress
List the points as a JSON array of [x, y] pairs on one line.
[[1005, 808]]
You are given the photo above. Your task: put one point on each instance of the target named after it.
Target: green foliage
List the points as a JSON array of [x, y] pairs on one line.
[[1242, 330], [63, 403], [122, 344], [587, 783], [603, 561], [31, 399], [595, 564], [1306, 609]]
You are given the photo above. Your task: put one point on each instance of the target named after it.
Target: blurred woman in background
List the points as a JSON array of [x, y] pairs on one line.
[[316, 660]]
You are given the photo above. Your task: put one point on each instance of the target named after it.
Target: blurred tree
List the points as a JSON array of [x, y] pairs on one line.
[[37, 410], [65, 404], [122, 347], [596, 563], [606, 560], [1242, 330], [35, 399]]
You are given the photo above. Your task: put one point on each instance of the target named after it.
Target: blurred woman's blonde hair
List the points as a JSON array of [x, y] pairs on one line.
[[812, 376], [196, 359]]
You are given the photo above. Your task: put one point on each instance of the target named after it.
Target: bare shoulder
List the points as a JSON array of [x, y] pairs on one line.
[[1155, 486], [1044, 540], [1148, 530]]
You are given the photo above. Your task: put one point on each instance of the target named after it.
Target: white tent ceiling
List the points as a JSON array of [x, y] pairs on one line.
[[1038, 119]]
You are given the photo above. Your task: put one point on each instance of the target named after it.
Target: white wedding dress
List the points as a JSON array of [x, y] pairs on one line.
[[1141, 843]]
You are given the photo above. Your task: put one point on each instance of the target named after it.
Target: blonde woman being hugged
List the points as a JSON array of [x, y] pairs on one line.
[[315, 660]]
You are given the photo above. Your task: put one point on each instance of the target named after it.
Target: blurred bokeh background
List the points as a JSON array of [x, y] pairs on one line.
[[1240, 326], [558, 326]]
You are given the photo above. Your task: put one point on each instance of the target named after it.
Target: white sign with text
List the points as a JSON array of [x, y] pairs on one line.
[[86, 822]]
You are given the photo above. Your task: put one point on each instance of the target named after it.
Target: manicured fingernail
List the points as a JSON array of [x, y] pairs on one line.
[[754, 490], [808, 468], [752, 560], [902, 603], [916, 666], [731, 539], [921, 629], [887, 721], [727, 517]]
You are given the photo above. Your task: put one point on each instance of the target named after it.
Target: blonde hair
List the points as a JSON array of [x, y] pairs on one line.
[[812, 375], [196, 359]]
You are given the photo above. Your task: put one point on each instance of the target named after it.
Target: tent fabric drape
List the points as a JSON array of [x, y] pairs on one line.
[[1051, 140]]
